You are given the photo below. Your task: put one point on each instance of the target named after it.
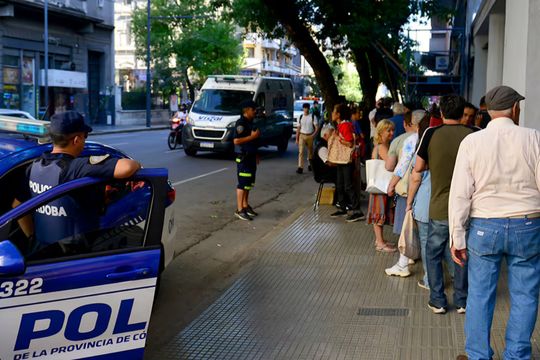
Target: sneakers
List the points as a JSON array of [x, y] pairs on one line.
[[461, 310], [250, 211], [397, 270], [435, 309], [423, 285], [299, 170], [338, 213], [355, 217], [242, 215]]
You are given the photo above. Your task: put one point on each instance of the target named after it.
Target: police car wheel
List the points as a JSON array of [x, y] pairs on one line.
[[172, 141]]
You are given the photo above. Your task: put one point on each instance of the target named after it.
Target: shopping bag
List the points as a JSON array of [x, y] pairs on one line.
[[409, 243], [402, 187], [377, 176], [337, 152]]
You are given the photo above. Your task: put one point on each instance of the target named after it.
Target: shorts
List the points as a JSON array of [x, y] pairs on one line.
[[246, 168]]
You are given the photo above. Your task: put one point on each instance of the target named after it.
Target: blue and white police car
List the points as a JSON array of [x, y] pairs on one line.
[[89, 296]]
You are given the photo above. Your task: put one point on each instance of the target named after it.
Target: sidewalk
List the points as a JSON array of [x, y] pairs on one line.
[[114, 129], [319, 292]]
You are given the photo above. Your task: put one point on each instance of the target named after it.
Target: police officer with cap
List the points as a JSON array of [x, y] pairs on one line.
[[66, 219], [245, 141]]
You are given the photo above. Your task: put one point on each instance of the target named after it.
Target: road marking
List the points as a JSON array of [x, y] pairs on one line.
[[200, 176], [119, 144]]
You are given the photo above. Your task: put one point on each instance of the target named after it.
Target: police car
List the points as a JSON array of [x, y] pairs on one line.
[[92, 298]]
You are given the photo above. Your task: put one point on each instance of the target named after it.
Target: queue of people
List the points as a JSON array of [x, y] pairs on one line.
[[471, 178]]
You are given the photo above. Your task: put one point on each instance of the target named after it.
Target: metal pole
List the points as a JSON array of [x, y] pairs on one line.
[[46, 65], [148, 102]]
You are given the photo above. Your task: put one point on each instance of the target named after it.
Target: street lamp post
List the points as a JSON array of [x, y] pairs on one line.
[[148, 102]]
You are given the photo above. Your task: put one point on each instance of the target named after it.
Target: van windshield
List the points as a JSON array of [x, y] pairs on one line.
[[227, 102]]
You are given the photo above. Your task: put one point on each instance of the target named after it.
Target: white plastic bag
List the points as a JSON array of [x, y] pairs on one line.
[[378, 178], [409, 243]]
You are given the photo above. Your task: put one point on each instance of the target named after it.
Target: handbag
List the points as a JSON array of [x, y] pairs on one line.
[[409, 243], [378, 178], [402, 187], [337, 152]]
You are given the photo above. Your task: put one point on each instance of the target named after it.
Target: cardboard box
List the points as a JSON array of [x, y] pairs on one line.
[[327, 196]]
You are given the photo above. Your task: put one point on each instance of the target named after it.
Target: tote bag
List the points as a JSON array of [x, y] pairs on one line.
[[402, 187], [377, 176], [409, 243], [337, 152]]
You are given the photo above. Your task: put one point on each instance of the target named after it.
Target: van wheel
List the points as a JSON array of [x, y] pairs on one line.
[[190, 151], [283, 144]]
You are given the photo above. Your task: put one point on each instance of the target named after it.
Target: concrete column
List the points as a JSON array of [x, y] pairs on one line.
[[529, 112], [496, 42], [479, 68]]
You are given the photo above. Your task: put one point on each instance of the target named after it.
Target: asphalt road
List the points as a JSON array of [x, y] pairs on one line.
[[205, 184]]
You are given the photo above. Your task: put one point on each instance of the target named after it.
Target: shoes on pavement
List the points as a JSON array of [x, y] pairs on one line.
[[423, 285], [461, 310], [309, 168], [356, 217], [249, 210], [338, 213], [385, 248], [242, 215], [299, 170], [462, 357], [436, 309], [397, 270]]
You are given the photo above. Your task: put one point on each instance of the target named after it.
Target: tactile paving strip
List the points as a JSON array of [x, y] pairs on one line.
[[319, 292]]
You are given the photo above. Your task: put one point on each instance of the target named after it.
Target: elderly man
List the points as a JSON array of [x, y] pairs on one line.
[[495, 188]]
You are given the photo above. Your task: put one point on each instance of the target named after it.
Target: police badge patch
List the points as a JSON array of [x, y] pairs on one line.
[[93, 160], [239, 129]]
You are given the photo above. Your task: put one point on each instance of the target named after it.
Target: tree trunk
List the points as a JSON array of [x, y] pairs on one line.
[[300, 35], [367, 65], [189, 85]]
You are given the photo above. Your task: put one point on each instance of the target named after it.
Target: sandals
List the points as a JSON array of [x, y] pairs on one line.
[[385, 248]]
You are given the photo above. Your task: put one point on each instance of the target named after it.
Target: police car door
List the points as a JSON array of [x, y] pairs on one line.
[[92, 304]]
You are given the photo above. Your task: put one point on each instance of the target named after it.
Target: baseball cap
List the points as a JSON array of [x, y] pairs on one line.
[[68, 122], [248, 104], [502, 98]]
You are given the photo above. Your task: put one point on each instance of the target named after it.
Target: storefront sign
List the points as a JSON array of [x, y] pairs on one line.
[[67, 79]]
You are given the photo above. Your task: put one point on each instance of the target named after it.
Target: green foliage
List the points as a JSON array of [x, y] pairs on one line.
[[134, 100], [202, 44]]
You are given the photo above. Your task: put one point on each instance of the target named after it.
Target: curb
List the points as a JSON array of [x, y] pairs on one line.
[[128, 130]]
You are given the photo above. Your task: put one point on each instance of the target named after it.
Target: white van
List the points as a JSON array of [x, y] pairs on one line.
[[211, 120]]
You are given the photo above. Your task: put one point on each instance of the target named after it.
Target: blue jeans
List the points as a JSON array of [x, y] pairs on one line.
[[436, 246], [423, 232], [488, 242]]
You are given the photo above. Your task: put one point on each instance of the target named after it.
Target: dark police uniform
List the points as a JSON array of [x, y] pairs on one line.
[[69, 217], [246, 154]]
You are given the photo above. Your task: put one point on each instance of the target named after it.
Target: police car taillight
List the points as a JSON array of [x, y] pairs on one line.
[[24, 126]]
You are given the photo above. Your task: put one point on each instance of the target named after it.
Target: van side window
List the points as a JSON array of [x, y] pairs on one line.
[[261, 101]]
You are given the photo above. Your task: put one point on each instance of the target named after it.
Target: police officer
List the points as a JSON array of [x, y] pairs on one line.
[[246, 144], [66, 220]]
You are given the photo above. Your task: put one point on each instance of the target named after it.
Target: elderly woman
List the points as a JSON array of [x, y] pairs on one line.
[[380, 212]]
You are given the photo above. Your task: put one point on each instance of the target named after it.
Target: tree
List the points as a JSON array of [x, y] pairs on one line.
[[366, 32], [193, 35]]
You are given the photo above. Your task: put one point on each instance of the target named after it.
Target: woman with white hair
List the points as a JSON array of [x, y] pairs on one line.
[[399, 115]]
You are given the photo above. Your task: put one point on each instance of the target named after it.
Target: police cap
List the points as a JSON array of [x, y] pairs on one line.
[[248, 104], [68, 122]]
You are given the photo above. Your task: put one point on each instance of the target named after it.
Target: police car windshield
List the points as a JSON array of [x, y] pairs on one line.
[[226, 102]]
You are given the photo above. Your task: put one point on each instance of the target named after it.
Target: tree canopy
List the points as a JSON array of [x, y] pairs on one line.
[[193, 36]]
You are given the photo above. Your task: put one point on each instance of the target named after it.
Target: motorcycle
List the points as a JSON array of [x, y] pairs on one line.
[[175, 135]]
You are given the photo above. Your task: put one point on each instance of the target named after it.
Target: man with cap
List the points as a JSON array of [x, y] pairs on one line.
[[71, 217], [494, 212], [245, 142]]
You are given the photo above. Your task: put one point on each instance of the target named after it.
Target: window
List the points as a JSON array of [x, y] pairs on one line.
[[97, 218], [226, 102], [250, 52]]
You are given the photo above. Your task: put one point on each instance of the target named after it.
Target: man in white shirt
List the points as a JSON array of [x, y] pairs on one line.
[[308, 125], [494, 213]]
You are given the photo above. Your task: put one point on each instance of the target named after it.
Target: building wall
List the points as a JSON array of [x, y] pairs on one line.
[[511, 35]]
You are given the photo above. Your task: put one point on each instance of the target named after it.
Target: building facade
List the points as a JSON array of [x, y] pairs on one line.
[[81, 57], [504, 49]]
